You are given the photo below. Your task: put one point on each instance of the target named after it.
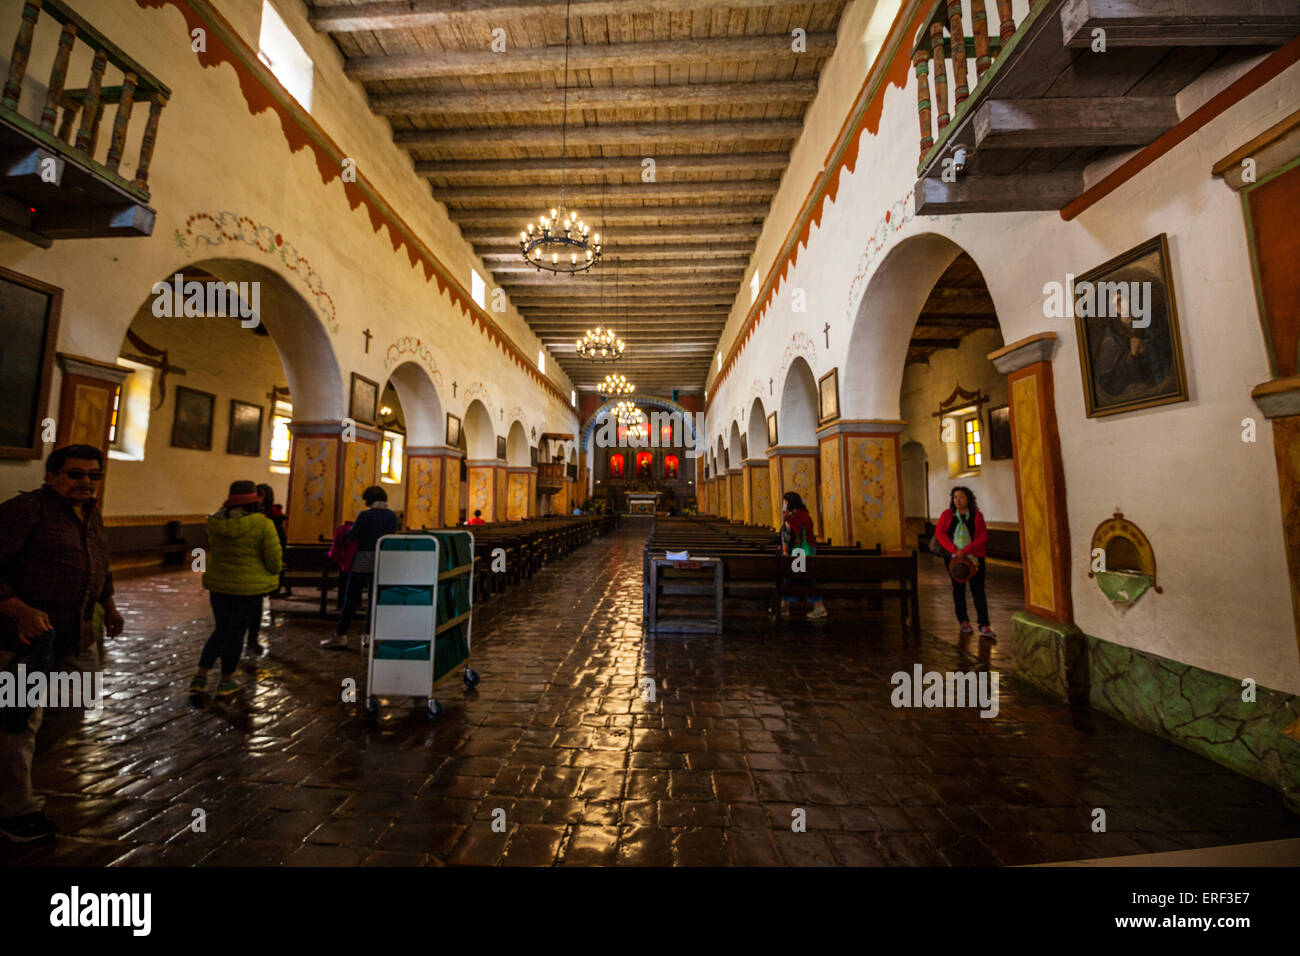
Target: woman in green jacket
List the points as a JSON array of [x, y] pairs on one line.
[[243, 564]]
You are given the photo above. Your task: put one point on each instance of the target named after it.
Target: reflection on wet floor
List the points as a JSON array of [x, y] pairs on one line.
[[745, 729]]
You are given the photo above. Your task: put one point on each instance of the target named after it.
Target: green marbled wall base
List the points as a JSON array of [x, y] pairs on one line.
[[1197, 709]]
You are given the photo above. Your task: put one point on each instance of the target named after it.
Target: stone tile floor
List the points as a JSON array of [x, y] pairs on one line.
[[745, 729]]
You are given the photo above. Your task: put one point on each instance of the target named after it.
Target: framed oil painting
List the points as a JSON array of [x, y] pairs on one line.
[[828, 397], [771, 430], [29, 329], [1126, 319], [192, 424], [744, 447], [501, 447], [245, 437], [453, 431], [365, 400], [1000, 433]]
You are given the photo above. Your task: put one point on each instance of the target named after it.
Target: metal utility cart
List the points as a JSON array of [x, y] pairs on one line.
[[422, 595]]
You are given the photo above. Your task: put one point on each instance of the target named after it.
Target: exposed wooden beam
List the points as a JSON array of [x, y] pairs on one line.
[[1060, 122], [546, 281], [478, 102], [472, 171], [651, 136], [934, 343], [1019, 193], [981, 320], [623, 239], [653, 299], [643, 215], [659, 53], [1129, 23], [407, 14], [591, 195], [684, 253], [683, 264], [549, 284]]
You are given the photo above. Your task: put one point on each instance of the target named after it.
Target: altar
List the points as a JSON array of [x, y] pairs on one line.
[[642, 502]]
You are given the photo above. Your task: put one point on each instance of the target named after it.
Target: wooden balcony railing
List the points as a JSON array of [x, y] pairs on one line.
[[83, 108], [944, 40]]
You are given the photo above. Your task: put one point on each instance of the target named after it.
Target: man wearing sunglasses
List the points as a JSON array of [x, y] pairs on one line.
[[53, 571]]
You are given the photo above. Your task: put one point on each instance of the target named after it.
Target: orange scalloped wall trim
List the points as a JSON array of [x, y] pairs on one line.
[[298, 134], [827, 187]]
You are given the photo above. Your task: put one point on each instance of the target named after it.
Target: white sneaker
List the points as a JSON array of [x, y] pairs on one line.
[[817, 614]]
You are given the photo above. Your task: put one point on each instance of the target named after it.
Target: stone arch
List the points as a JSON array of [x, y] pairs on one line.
[[797, 423], [517, 453], [756, 430], [872, 379], [734, 445], [300, 336], [480, 437], [421, 407]]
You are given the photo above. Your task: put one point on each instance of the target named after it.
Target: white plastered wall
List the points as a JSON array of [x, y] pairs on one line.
[[1207, 501], [213, 157]]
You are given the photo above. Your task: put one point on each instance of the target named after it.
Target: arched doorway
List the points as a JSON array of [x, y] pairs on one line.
[[212, 397], [484, 490], [757, 475], [521, 476], [793, 460], [413, 464], [927, 317]]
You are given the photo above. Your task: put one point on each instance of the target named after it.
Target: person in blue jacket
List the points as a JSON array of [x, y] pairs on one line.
[[371, 525]]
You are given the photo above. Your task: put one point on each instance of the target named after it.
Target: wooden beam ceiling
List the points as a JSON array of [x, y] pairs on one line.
[[687, 53], [409, 14], [714, 94]]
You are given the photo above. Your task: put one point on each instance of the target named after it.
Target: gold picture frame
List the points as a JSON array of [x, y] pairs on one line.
[[1126, 367]]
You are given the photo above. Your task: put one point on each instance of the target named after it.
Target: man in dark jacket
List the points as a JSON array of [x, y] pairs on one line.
[[53, 571], [371, 525]]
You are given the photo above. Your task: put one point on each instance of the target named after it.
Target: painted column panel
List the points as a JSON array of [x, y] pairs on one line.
[[451, 490], [517, 485], [758, 498], [736, 494], [775, 489], [834, 520], [314, 476], [360, 467], [1040, 480], [799, 474], [500, 498], [481, 480], [423, 506]]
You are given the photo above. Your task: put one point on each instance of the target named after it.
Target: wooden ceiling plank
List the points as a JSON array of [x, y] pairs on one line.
[[484, 62]]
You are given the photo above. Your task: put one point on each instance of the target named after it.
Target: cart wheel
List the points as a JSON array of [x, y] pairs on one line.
[[471, 678], [434, 709], [372, 708]]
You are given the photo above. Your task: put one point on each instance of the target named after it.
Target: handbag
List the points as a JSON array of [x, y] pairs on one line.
[[936, 546]]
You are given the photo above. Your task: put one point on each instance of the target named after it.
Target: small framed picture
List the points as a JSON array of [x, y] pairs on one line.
[[828, 397], [192, 424], [744, 447], [532, 457], [1126, 320], [501, 447], [29, 328], [453, 431], [245, 437], [1000, 433], [771, 430], [365, 399]]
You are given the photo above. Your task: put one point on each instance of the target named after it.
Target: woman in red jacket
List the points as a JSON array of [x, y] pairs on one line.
[[962, 533]]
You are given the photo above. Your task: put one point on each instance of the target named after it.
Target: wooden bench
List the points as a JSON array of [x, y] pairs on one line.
[[132, 546], [884, 577]]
